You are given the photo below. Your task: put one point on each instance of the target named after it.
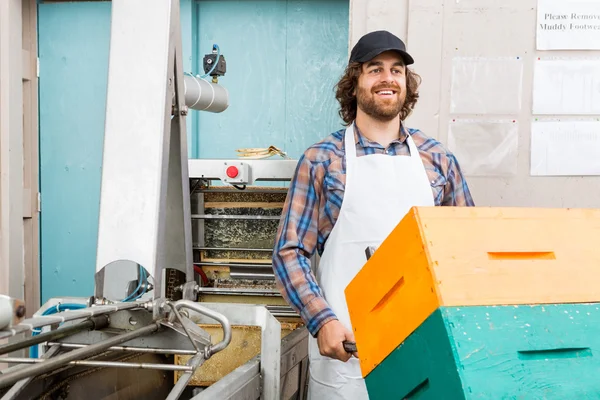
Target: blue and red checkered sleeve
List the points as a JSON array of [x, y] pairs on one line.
[[295, 244]]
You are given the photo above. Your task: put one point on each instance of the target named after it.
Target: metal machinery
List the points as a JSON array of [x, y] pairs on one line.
[[234, 226], [152, 328], [234, 222]]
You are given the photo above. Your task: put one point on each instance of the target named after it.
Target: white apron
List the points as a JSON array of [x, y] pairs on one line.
[[380, 190]]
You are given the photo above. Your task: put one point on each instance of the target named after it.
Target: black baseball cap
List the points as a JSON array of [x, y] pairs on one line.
[[374, 43]]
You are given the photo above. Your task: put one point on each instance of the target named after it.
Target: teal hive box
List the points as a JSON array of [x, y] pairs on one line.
[[496, 352]]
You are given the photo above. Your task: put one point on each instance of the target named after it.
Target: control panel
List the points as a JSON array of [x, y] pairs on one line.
[[242, 171], [235, 172]]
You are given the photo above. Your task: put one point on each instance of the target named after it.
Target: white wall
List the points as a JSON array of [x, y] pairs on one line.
[[371, 15]]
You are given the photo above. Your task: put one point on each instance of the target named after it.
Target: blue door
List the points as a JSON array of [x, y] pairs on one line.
[[283, 58], [73, 52]]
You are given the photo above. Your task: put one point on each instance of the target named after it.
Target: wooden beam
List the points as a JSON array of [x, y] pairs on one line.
[[11, 149], [30, 158]]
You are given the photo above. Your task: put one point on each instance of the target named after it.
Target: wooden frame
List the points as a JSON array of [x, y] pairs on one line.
[[19, 244], [30, 157]]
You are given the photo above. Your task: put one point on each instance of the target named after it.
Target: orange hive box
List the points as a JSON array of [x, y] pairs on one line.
[[462, 256]]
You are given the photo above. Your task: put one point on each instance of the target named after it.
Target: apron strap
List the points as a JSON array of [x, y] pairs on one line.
[[414, 152], [350, 147], [349, 143]]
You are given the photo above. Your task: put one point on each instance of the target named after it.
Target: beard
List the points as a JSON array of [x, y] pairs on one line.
[[380, 109]]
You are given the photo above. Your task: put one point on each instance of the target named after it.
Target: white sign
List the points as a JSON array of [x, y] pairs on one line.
[[568, 25], [566, 86], [565, 148]]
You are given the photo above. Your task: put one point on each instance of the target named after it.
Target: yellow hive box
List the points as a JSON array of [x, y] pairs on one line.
[[459, 256]]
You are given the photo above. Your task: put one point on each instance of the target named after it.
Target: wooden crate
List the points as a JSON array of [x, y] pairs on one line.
[[250, 233], [253, 234], [496, 352], [463, 256]]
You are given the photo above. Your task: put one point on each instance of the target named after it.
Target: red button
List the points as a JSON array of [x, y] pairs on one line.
[[232, 172]]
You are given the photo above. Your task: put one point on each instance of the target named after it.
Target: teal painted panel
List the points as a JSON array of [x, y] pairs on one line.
[[530, 352], [73, 50], [252, 37], [283, 58], [317, 53], [503, 352], [186, 16], [423, 367]]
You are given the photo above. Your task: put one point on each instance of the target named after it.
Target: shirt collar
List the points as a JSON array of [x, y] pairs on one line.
[[363, 141]]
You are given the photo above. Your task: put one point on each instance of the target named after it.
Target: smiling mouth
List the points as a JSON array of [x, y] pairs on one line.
[[386, 92]]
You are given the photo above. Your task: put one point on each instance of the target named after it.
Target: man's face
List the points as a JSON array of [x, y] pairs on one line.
[[381, 89]]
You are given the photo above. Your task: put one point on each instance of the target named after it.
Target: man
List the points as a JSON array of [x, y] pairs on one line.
[[349, 192]]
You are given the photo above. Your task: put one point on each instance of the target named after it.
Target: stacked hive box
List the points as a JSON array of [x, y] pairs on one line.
[[482, 303]]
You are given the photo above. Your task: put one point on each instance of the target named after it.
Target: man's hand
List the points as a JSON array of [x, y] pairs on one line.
[[330, 338]]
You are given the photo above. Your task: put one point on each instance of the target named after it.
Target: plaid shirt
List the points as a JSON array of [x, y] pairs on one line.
[[314, 200]]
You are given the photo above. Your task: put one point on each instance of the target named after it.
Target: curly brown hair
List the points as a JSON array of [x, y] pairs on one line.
[[344, 92]]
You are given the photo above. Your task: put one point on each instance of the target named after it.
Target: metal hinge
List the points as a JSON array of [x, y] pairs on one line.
[[39, 202], [38, 67]]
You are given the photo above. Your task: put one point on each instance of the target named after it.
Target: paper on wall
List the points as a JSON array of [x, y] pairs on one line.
[[566, 86], [485, 148], [486, 85], [565, 148], [568, 25]]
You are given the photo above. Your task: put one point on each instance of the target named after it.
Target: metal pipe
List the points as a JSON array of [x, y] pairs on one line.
[[49, 365], [203, 95], [19, 386], [241, 292], [112, 364], [235, 265], [251, 275], [64, 316], [227, 216], [128, 348], [6, 312], [215, 348], [183, 380], [231, 249], [93, 323]]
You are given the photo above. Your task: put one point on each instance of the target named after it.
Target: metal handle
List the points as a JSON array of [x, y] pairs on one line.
[[350, 347], [369, 251], [215, 348]]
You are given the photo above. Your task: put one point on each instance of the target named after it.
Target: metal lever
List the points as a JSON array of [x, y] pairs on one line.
[[215, 348]]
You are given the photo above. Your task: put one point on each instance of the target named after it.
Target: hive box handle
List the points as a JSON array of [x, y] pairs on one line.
[[389, 295], [569, 352], [521, 255]]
